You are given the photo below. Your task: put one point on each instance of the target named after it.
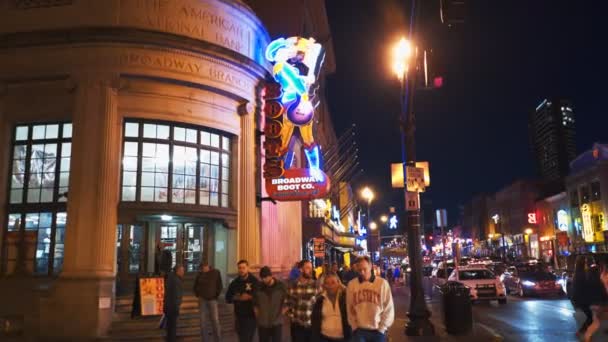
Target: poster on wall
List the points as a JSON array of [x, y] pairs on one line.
[[152, 294], [289, 108], [319, 247]]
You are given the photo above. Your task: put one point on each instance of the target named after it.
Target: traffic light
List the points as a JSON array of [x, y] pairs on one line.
[[452, 12]]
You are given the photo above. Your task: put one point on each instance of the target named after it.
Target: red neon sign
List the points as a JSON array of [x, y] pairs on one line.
[[298, 185]]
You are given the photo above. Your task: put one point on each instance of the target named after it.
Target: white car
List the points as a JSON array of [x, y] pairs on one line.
[[481, 282]]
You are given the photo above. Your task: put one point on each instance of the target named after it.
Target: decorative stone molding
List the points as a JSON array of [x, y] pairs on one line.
[[31, 4], [245, 108]]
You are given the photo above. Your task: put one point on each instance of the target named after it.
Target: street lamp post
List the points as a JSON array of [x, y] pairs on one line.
[[419, 323], [368, 195]]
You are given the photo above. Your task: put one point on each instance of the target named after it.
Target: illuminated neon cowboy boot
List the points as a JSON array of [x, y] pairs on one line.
[[312, 156]]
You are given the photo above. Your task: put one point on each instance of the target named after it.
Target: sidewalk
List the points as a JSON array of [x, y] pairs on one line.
[[401, 299]]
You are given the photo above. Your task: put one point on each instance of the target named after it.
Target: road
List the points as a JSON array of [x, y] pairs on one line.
[[520, 320], [530, 319]]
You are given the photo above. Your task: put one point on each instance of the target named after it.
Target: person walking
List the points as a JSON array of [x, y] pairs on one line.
[[370, 305], [166, 261], [294, 274], [301, 297], [158, 252], [268, 304], [580, 297], [240, 293], [207, 288], [173, 300], [329, 316], [352, 273], [598, 298]]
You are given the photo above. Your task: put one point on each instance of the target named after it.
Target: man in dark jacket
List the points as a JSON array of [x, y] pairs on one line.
[[268, 305], [166, 260], [240, 293], [329, 316], [207, 288], [351, 274], [173, 300]]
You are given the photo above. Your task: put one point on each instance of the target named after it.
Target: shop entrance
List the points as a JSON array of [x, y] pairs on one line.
[[137, 248], [185, 242]]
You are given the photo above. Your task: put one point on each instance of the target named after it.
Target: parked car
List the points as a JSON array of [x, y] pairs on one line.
[[481, 282], [440, 274], [527, 280]]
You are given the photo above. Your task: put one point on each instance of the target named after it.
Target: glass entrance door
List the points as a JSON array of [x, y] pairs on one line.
[[193, 247], [169, 241]]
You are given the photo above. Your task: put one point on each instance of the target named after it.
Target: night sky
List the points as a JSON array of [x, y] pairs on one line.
[[498, 67]]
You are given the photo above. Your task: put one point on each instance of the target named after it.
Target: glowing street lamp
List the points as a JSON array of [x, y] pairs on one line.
[[402, 52], [383, 218], [367, 194], [373, 225], [528, 231]]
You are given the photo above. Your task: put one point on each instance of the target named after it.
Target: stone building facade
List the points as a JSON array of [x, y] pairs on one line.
[[125, 125]]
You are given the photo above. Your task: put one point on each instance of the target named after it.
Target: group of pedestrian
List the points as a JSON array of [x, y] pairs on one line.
[[318, 310], [590, 294]]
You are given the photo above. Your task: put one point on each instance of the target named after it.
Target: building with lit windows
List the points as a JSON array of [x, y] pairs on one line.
[[126, 126], [552, 139], [509, 213], [587, 186]]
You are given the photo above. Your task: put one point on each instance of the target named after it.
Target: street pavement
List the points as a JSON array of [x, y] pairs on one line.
[[521, 319]]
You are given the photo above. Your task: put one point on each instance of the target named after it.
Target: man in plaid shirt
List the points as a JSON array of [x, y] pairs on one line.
[[301, 298]]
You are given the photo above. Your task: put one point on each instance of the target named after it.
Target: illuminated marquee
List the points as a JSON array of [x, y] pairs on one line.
[[289, 105]]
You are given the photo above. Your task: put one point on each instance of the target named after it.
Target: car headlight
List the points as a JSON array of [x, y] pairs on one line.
[[528, 283]]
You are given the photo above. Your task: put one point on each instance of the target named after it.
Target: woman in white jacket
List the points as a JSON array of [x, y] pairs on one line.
[[369, 302]]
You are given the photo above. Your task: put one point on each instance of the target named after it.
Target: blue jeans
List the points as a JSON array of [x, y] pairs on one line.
[[363, 335], [208, 311]]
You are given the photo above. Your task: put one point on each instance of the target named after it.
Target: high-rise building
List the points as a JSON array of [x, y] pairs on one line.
[[552, 138]]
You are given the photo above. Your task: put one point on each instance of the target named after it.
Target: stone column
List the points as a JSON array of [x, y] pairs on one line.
[[85, 291], [5, 165], [248, 228]]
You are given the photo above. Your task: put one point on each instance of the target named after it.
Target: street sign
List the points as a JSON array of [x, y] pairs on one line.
[[415, 179], [442, 217], [412, 201]]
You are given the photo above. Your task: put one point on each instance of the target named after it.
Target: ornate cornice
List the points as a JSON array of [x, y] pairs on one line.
[[137, 38]]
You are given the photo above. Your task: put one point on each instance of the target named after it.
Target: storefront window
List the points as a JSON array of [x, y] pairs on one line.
[[176, 164], [585, 194], [596, 194], [40, 163], [40, 170], [574, 198]]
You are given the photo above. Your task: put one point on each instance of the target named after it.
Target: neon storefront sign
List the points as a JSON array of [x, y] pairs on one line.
[[289, 107], [587, 225], [562, 220]]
